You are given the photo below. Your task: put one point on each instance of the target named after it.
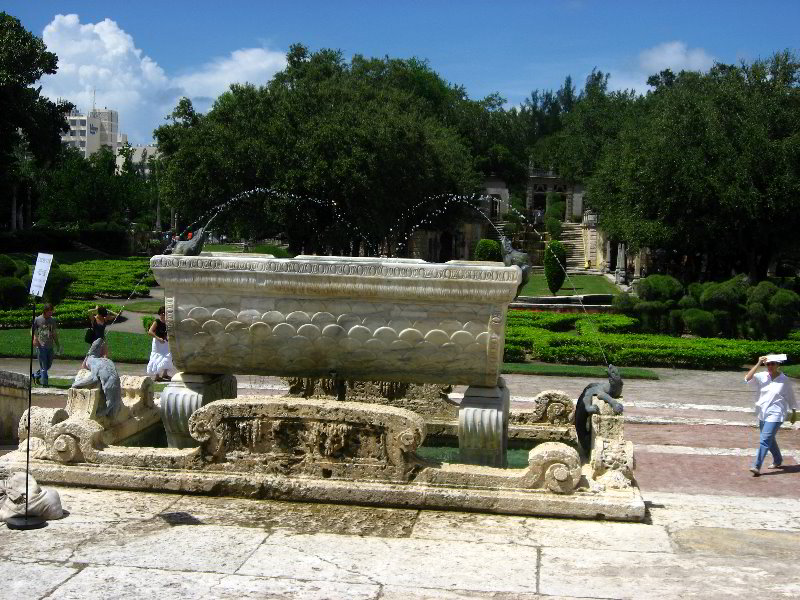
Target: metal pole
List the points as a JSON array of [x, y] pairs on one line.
[[28, 440]]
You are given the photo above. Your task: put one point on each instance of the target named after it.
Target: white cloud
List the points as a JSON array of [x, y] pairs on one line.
[[675, 55], [103, 58]]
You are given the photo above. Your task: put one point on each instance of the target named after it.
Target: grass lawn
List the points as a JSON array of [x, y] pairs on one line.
[[123, 347], [63, 383], [144, 306], [584, 284], [576, 371]]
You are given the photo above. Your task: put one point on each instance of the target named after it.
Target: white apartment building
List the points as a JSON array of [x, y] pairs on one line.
[[88, 132]]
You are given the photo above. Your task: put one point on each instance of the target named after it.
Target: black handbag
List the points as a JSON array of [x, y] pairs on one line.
[[88, 336]]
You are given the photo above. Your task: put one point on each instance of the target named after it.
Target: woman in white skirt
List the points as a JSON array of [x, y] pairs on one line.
[[160, 366]]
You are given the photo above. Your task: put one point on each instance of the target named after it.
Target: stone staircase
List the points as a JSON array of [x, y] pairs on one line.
[[573, 244]]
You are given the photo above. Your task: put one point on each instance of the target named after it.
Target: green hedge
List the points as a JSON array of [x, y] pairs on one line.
[[488, 250], [543, 337], [109, 277], [69, 313]]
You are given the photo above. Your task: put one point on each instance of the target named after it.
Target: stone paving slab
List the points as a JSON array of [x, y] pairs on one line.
[[563, 533], [726, 475], [401, 562], [294, 516], [24, 579], [122, 583], [209, 548], [676, 511], [584, 572]]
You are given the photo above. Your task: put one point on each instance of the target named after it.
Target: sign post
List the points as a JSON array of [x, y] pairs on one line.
[[38, 281]]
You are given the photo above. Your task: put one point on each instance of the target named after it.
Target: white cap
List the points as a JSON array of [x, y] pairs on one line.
[[776, 358]]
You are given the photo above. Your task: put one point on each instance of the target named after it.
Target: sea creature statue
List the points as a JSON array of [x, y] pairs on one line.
[[584, 408], [192, 247], [102, 369], [518, 258]]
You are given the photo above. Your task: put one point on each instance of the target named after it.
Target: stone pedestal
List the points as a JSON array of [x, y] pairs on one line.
[[183, 396], [483, 425], [13, 402]]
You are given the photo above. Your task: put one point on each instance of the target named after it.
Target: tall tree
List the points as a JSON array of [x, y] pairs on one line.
[[30, 125]]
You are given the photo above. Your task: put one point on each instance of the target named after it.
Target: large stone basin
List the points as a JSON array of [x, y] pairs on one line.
[[358, 318]]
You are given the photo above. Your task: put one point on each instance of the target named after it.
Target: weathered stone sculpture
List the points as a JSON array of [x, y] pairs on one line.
[[103, 370], [518, 258], [607, 392], [43, 503]]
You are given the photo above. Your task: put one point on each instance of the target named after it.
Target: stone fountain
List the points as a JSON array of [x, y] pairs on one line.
[[376, 330]]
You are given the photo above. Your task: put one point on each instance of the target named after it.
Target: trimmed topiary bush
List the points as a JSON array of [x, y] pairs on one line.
[[488, 250], [699, 322], [625, 303], [675, 320], [659, 288], [555, 264], [8, 266], [553, 227], [688, 302], [729, 295], [13, 293]]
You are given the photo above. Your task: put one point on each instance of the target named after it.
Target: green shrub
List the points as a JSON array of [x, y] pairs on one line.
[[555, 264], [488, 250], [728, 295], [659, 288], [23, 270], [625, 303], [650, 313], [553, 227], [762, 293], [147, 321], [13, 293], [696, 290], [675, 319], [8, 266], [757, 325], [513, 353], [688, 301], [699, 322], [725, 323], [783, 312]]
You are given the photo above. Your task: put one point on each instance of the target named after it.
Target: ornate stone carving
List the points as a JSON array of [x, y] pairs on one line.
[[80, 432], [309, 437], [184, 395], [611, 460], [365, 319], [483, 425], [558, 467], [554, 407], [430, 400]]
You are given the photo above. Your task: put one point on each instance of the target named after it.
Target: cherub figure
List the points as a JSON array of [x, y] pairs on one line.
[[584, 408]]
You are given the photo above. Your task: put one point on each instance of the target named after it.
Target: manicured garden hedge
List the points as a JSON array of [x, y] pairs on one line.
[[540, 337], [123, 347], [69, 313], [112, 278]]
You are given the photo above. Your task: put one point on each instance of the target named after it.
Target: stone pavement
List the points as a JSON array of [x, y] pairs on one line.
[[713, 530]]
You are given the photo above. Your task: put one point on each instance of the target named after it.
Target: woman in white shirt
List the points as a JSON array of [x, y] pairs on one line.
[[774, 398]]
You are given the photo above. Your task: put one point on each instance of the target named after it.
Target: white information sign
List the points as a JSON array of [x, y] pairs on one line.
[[40, 273]]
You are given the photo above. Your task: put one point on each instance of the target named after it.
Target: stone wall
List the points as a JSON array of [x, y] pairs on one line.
[[13, 402]]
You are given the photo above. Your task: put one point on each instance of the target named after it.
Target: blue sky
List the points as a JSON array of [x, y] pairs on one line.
[[141, 56]]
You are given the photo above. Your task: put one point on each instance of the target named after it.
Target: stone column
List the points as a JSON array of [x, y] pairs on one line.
[[607, 261], [483, 425], [183, 396], [13, 402]]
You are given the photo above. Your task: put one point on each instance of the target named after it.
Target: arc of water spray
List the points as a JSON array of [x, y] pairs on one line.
[[329, 204]]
